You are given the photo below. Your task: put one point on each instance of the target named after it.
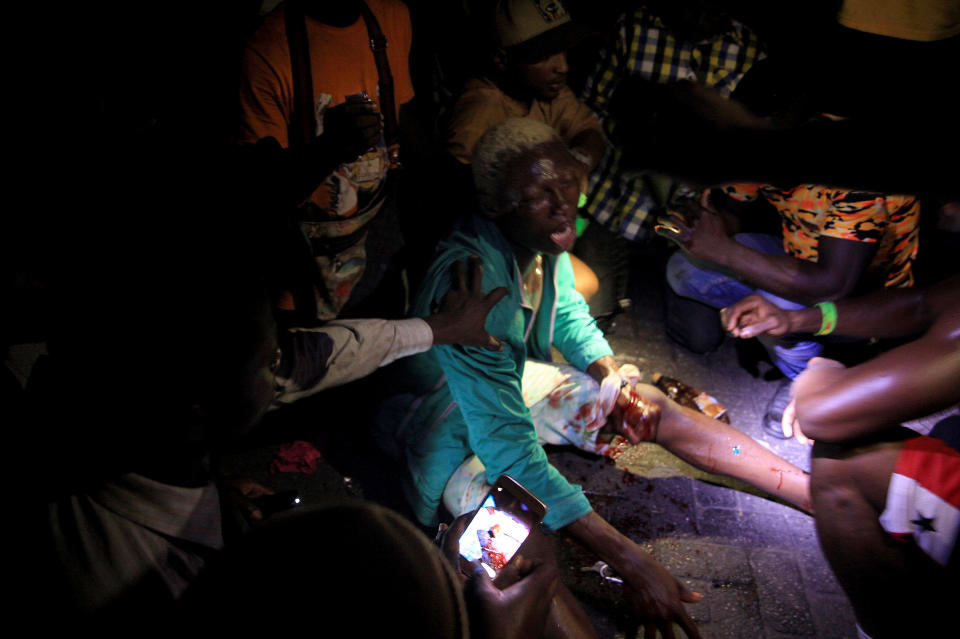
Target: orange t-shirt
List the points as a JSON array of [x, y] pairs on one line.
[[341, 64]]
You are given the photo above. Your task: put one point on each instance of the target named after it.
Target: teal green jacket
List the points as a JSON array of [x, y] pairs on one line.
[[454, 401]]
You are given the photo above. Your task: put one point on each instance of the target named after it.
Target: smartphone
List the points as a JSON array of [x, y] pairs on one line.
[[501, 525]]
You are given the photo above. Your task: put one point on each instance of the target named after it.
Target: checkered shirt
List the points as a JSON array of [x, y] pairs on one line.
[[619, 198]]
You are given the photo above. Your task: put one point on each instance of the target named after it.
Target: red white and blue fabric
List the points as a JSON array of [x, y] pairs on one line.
[[923, 499]]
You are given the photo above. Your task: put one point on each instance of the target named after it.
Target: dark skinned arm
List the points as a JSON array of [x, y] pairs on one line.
[[893, 312], [700, 231], [656, 597], [837, 404], [592, 143]]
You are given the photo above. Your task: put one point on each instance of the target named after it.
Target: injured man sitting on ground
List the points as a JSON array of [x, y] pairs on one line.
[[461, 416]]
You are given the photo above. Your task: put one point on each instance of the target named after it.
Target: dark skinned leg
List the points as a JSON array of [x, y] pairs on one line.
[[895, 589]]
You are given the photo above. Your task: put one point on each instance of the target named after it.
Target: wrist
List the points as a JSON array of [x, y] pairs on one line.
[[725, 248], [438, 328], [603, 367], [719, 250], [804, 320]]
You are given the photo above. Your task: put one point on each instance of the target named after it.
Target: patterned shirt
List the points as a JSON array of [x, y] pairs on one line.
[[619, 198], [809, 212]]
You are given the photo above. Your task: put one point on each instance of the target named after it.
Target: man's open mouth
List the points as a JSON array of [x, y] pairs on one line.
[[564, 237]]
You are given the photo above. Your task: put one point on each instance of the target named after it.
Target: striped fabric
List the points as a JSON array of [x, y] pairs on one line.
[[923, 500], [620, 199]]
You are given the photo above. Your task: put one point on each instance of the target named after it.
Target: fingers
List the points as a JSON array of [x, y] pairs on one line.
[[689, 596], [516, 569], [460, 275], [491, 299], [249, 509], [788, 418], [738, 318], [823, 362], [765, 325], [476, 274], [705, 200], [610, 387], [450, 541], [673, 226], [630, 373], [493, 296], [791, 425], [733, 318], [479, 582], [689, 627], [683, 619]]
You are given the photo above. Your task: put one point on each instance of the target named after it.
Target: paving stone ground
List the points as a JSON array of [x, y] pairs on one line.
[[756, 560]]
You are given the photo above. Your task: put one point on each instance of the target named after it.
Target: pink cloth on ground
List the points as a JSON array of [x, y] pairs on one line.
[[296, 457]]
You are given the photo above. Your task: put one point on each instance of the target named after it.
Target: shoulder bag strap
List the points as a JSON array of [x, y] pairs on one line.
[[302, 270], [302, 121], [378, 44]]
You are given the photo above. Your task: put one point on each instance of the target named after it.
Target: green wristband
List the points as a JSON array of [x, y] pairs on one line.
[[828, 317]]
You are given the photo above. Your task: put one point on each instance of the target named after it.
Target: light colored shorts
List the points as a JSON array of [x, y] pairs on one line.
[[923, 499]]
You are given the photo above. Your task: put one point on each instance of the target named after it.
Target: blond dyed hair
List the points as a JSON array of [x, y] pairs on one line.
[[496, 154]]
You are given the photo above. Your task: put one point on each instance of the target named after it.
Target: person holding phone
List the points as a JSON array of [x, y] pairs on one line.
[[525, 597], [456, 411]]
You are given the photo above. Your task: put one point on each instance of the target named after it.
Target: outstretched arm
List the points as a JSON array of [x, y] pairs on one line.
[[837, 404], [718, 448], [315, 359], [656, 597], [893, 312], [699, 230]]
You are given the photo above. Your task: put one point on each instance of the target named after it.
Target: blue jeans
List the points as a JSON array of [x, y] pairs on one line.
[[693, 279]]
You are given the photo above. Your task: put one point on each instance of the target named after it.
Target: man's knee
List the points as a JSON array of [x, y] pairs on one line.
[[585, 279], [692, 324], [843, 472], [831, 484]]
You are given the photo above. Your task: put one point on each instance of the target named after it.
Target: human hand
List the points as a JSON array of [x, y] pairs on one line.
[[791, 425], [353, 127], [755, 315], [821, 372], [696, 227], [657, 598], [637, 415], [461, 316], [608, 397], [517, 602], [614, 394], [243, 493], [513, 611]]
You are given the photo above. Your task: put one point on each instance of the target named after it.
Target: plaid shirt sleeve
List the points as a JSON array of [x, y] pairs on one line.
[[602, 83], [731, 57], [619, 198]]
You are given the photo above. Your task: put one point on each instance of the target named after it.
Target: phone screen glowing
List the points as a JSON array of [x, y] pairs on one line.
[[493, 536]]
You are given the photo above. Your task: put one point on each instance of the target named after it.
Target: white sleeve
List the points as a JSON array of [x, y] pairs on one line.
[[341, 351]]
